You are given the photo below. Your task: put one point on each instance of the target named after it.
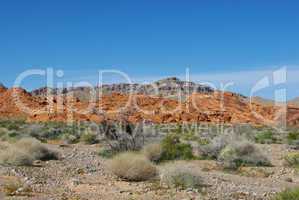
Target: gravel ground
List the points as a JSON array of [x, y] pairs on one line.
[[81, 174]]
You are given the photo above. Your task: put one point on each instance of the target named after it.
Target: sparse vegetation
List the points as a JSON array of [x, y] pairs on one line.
[[153, 152], [123, 137], [289, 194], [25, 151], [213, 149], [165, 150], [35, 148], [293, 136], [12, 188], [293, 139], [292, 159], [89, 138], [15, 157], [244, 153], [70, 138], [179, 176], [174, 149], [265, 137], [234, 151], [106, 153], [132, 167]]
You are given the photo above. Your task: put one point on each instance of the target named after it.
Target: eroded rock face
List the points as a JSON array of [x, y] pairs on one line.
[[165, 88], [2, 88], [207, 106]]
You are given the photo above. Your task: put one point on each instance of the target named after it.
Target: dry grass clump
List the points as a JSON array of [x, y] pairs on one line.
[[15, 157], [35, 148], [16, 188], [153, 152], [132, 167], [24, 152], [242, 153], [179, 176]]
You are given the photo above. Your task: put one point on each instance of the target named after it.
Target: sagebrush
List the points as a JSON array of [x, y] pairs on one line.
[[132, 167], [180, 176]]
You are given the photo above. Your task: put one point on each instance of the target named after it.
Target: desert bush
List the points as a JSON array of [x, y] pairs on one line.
[[289, 194], [70, 138], [54, 131], [25, 151], [89, 138], [9, 135], [293, 139], [213, 149], [242, 153], [132, 167], [121, 137], [233, 151], [11, 188], [179, 176], [3, 146], [265, 137], [3, 132], [12, 124], [153, 152], [15, 157], [292, 136], [35, 148], [292, 159], [34, 130], [174, 149], [106, 153]]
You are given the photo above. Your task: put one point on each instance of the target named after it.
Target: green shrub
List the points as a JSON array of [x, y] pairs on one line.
[[132, 167], [174, 149], [292, 159], [265, 137], [70, 138], [106, 153], [289, 194], [153, 152], [12, 124], [179, 176], [89, 138], [293, 138], [9, 135]]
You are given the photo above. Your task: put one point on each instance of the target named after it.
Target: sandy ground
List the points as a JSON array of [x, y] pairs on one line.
[[82, 175]]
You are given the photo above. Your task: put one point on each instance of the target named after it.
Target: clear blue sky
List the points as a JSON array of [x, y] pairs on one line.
[[148, 38]]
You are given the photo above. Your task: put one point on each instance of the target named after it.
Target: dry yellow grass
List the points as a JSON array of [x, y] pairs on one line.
[[153, 152], [132, 167]]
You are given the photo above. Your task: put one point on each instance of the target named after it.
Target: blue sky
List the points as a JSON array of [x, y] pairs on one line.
[[217, 40]]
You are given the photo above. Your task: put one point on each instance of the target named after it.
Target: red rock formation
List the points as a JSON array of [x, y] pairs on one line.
[[214, 107]]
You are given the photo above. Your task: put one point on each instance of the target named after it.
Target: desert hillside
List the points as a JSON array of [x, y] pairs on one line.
[[197, 103]]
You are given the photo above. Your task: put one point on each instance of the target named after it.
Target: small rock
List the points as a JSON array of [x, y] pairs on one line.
[[288, 179]]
